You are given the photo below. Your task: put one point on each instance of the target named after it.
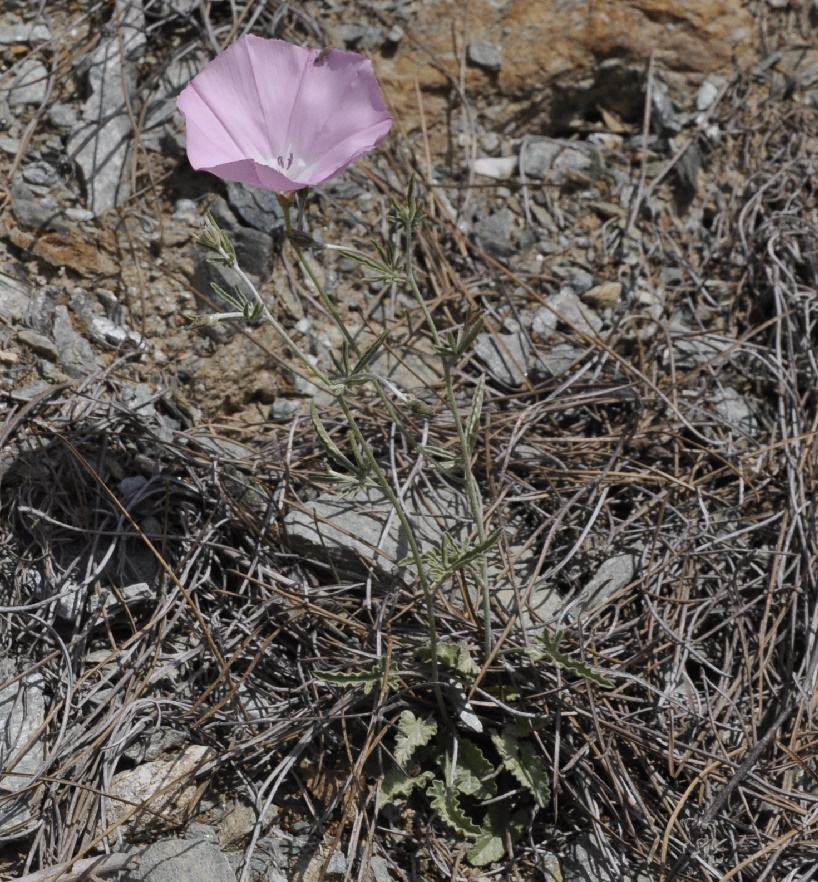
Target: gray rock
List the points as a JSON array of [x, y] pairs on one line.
[[24, 33], [163, 9], [182, 860], [9, 145], [255, 252], [22, 750], [736, 411], [610, 578], [587, 862], [692, 349], [40, 173], [495, 231], [38, 343], [580, 280], [485, 54], [63, 116], [708, 91], [349, 529], [116, 602], [30, 213], [259, 209], [14, 296], [379, 868], [29, 85], [103, 330], [270, 862], [74, 352], [565, 306], [506, 356], [663, 115], [100, 147], [557, 161]]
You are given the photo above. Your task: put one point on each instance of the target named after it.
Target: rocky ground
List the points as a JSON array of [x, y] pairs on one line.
[[211, 663]]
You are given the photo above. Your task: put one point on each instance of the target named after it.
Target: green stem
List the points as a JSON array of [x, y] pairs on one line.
[[383, 481], [472, 490], [428, 594], [279, 329], [328, 304]]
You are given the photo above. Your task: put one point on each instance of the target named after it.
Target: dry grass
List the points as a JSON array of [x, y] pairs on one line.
[[698, 764]]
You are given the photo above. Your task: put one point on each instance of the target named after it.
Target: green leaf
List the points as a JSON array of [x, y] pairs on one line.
[[487, 849], [472, 773], [455, 656], [490, 845], [445, 802], [412, 734], [366, 359], [467, 336], [329, 445], [550, 650], [368, 679], [398, 785], [524, 763], [475, 412]]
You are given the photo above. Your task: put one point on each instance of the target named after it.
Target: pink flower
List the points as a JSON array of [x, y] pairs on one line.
[[277, 116]]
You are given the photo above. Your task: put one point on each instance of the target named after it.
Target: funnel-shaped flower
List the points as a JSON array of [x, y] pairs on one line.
[[277, 116]]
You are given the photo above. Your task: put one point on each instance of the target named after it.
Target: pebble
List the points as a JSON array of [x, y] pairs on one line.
[[28, 34], [22, 716], [63, 116], [38, 343], [485, 54], [192, 859], [29, 85], [9, 145], [40, 173]]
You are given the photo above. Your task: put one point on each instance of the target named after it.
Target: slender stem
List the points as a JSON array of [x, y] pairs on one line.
[[383, 481], [472, 490], [423, 578], [328, 304], [279, 329]]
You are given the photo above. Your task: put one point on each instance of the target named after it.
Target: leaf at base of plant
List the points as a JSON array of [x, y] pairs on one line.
[[524, 763]]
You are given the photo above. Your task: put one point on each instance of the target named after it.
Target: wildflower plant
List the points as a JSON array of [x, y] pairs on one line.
[[277, 116]]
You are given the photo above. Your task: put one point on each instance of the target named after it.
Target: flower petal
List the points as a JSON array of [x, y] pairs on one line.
[[275, 115]]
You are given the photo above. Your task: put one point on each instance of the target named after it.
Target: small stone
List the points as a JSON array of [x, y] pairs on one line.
[[610, 578], [485, 54], [707, 93], [78, 214], [164, 788], [9, 145], [494, 232], [24, 34], [259, 209], [29, 84], [38, 343], [75, 353], [40, 173], [191, 859], [506, 356], [559, 161], [605, 295], [565, 307], [63, 116]]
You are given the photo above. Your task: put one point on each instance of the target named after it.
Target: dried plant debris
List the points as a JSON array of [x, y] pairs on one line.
[[204, 620]]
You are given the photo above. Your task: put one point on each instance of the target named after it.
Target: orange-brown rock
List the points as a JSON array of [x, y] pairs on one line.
[[550, 45], [67, 250]]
